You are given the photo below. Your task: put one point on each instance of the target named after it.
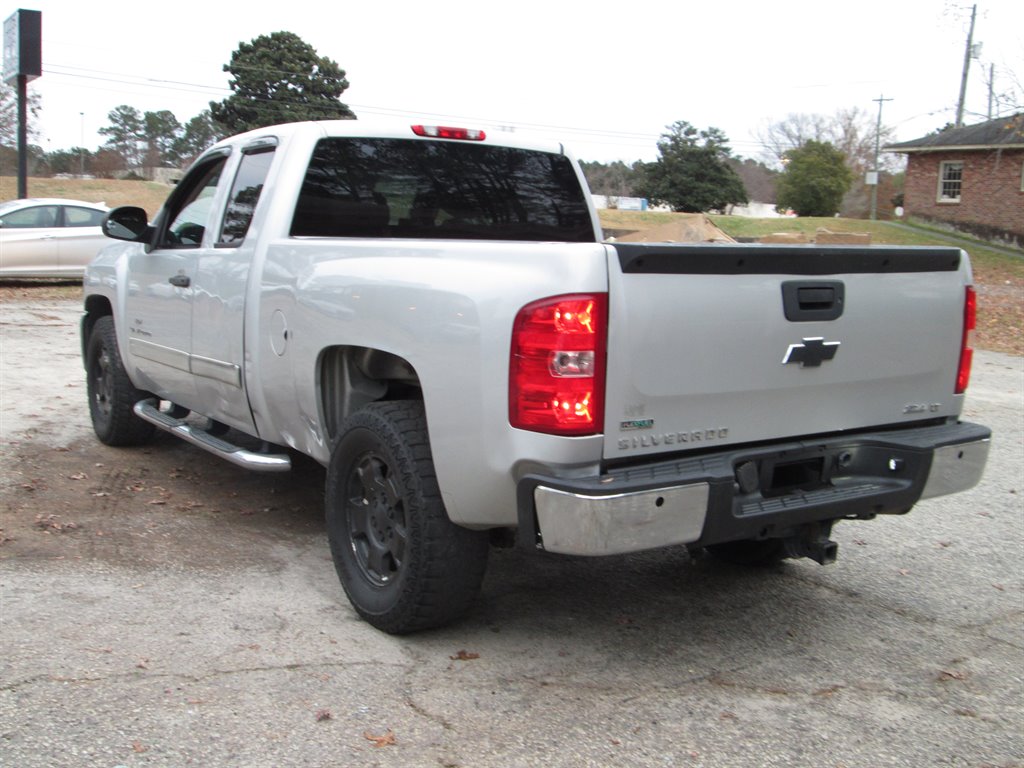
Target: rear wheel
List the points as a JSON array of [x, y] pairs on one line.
[[404, 565], [111, 393]]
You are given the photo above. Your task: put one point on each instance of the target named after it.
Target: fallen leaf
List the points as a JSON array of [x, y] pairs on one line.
[[828, 691], [139, 747], [157, 502], [79, 476], [464, 656], [945, 675], [387, 739], [903, 571], [324, 714], [52, 523]]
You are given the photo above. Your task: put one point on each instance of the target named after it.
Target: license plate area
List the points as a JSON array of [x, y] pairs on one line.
[[780, 478]]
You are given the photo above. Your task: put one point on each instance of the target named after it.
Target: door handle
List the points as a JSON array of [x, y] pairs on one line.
[[180, 281], [807, 300]]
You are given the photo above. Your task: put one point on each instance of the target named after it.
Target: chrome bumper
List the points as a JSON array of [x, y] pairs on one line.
[[574, 524], [735, 494], [956, 468]]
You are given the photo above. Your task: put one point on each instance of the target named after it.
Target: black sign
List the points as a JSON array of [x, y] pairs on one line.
[[23, 45]]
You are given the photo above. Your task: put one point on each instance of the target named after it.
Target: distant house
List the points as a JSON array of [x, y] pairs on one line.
[[971, 178]]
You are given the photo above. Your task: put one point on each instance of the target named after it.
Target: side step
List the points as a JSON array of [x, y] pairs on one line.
[[149, 410]]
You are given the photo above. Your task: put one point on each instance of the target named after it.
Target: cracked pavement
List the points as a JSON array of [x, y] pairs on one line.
[[158, 608]]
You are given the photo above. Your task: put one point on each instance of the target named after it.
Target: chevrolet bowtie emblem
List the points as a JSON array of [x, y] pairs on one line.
[[811, 353]]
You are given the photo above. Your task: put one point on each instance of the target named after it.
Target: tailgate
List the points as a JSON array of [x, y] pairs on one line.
[[711, 345]]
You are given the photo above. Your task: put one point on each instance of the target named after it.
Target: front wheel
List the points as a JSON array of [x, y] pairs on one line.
[[403, 564], [111, 393]]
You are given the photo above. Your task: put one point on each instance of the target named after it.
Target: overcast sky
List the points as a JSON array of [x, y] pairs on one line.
[[606, 77]]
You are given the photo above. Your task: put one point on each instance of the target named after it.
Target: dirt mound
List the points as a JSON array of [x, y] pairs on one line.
[[684, 228]]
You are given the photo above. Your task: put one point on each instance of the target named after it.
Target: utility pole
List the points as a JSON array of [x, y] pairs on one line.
[[81, 146], [878, 140], [991, 87], [967, 66]]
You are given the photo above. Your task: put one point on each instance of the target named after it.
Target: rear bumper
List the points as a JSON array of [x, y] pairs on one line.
[[750, 493]]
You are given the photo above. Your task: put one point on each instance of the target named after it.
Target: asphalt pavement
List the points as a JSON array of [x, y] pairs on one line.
[[158, 608]]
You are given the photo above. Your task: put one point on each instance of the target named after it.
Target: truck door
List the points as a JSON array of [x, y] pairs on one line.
[[160, 291], [221, 282]]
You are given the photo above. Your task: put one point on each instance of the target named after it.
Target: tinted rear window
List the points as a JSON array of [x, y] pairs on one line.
[[424, 189]]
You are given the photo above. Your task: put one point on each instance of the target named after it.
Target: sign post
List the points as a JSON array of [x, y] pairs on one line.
[[23, 61]]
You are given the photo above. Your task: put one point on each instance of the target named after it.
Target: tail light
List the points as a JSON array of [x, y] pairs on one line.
[[963, 374], [556, 371]]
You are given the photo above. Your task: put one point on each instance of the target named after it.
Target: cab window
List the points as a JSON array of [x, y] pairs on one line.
[[191, 210], [245, 193]]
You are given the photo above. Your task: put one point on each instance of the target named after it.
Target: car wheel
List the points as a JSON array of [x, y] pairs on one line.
[[402, 562], [111, 393]]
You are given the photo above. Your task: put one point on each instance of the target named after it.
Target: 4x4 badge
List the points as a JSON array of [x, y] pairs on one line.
[[811, 352]]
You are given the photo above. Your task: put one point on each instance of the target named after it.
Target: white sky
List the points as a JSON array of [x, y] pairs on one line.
[[605, 77]]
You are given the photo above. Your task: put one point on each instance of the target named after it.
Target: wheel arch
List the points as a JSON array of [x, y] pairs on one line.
[[350, 377], [95, 308]]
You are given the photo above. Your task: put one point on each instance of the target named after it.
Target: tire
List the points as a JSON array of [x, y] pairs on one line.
[[111, 393], [403, 564], [753, 552]]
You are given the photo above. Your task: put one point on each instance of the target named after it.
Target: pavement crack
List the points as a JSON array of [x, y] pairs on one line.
[[149, 675]]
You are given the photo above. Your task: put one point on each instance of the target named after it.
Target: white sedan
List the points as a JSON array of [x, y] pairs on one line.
[[49, 237]]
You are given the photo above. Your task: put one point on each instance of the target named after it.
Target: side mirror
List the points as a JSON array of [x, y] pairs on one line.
[[127, 223]]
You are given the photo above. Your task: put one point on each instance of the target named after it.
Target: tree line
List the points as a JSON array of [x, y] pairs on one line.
[[275, 78], [810, 164], [811, 160]]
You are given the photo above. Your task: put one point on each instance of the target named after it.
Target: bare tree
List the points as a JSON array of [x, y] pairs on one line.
[[850, 130], [795, 130], [9, 115]]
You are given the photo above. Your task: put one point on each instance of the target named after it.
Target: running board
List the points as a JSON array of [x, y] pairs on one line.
[[148, 410]]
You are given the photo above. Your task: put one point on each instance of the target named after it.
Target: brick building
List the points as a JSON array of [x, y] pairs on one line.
[[971, 178]]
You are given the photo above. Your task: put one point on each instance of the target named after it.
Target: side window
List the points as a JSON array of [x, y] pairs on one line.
[[245, 193], [31, 218], [192, 207], [82, 217]]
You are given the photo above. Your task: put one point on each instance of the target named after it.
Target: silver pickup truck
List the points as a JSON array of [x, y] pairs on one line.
[[431, 313]]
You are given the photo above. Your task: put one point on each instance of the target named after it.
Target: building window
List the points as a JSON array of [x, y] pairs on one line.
[[951, 176]]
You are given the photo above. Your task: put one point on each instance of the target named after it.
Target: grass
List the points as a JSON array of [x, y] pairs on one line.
[[146, 194]]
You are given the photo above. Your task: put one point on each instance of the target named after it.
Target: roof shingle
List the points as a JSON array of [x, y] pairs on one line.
[[1005, 132]]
